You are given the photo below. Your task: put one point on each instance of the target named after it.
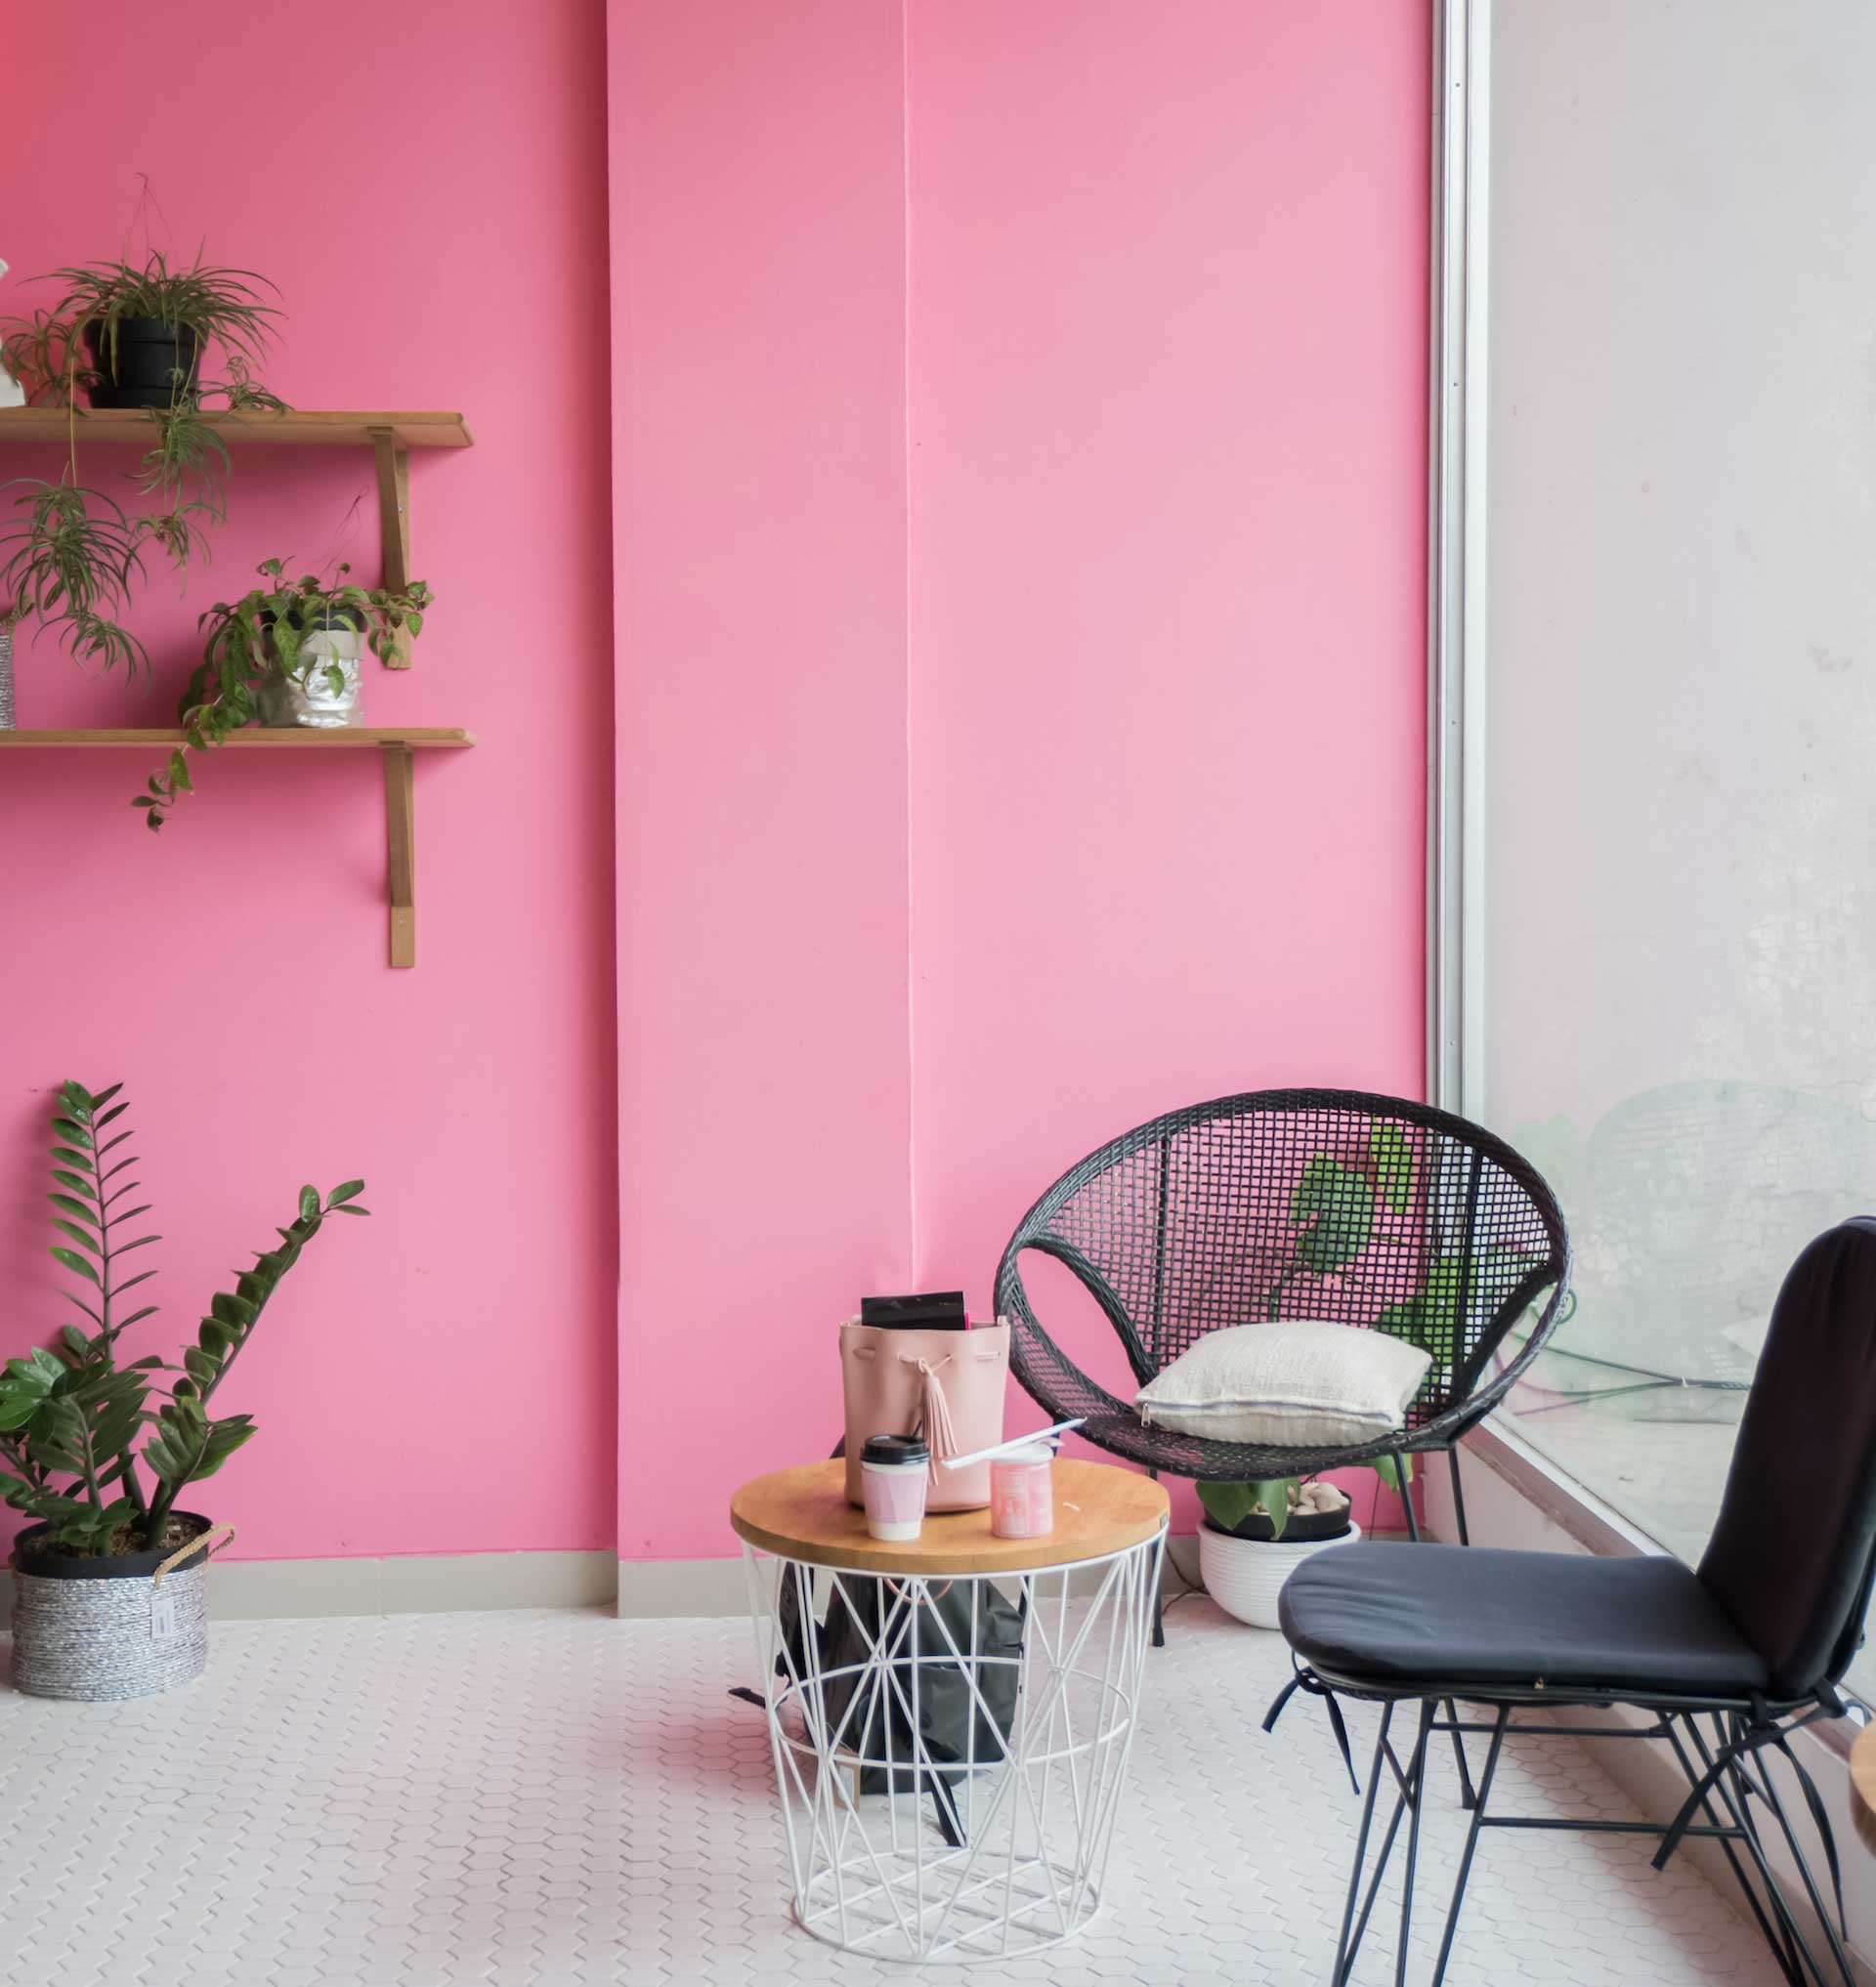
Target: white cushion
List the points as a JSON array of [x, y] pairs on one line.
[[1303, 1383]]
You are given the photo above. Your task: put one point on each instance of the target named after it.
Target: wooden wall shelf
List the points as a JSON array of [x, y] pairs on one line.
[[298, 427], [399, 749], [390, 436]]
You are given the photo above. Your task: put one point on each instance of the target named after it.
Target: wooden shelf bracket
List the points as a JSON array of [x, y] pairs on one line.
[[394, 524], [399, 851]]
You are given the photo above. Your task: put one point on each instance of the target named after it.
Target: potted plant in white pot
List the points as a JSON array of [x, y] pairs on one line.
[[110, 1584], [1255, 1535]]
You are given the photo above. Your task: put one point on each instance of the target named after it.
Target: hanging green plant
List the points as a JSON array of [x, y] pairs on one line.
[[128, 335], [275, 635]]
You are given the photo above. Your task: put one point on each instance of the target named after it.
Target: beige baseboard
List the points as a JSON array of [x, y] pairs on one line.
[[415, 1583]]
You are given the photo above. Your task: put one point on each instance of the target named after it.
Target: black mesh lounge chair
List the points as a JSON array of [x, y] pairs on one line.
[[1295, 1204], [1754, 1643]]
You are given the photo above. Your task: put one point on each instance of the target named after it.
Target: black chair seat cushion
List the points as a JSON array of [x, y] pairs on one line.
[[1401, 1615]]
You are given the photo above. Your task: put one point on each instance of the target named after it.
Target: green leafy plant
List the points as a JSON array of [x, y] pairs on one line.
[[1228, 1505], [1333, 1211], [79, 1426], [75, 552], [263, 633]]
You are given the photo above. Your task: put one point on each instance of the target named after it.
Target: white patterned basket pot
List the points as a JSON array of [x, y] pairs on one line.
[[1245, 1576], [94, 1631]]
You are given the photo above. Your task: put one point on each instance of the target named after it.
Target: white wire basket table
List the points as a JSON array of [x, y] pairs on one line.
[[951, 1716]]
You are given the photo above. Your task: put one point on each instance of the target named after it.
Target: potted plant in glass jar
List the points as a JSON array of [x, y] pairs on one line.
[[287, 654], [109, 1582]]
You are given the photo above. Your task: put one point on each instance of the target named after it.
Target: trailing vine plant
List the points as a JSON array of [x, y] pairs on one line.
[[73, 555], [263, 632]]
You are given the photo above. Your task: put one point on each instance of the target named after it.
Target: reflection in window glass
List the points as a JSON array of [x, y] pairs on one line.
[[1679, 914]]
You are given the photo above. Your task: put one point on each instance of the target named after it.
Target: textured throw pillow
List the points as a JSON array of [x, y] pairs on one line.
[[1300, 1384]]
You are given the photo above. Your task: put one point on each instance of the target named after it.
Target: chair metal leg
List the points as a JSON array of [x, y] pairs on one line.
[[1344, 1951], [1458, 1495], [1415, 1788], [1819, 1909], [1471, 1841], [1406, 1495], [1783, 1953], [1159, 1606]]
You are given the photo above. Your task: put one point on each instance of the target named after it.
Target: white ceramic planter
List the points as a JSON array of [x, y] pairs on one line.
[[1245, 1576]]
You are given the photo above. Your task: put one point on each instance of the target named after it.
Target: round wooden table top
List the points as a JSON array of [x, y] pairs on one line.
[[1862, 1781], [803, 1514]]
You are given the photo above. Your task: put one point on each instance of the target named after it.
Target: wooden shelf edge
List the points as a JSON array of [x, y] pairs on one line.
[[365, 737], [301, 427]]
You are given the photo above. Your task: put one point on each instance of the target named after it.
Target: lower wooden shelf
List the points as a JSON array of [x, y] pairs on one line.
[[399, 747]]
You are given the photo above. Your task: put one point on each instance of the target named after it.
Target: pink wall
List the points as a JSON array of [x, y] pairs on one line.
[[759, 479], [427, 183], [1100, 708]]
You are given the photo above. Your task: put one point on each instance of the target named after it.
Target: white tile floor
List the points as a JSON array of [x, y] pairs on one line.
[[560, 1799]]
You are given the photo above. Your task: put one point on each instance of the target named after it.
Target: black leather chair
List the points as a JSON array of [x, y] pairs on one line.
[[1755, 1642]]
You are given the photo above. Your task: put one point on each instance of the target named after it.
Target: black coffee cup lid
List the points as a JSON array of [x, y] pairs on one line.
[[896, 1449]]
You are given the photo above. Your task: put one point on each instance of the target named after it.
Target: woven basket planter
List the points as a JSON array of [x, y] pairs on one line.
[[92, 1631], [1245, 1576]]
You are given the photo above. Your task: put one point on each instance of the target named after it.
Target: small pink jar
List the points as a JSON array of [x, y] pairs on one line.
[[1022, 1493]]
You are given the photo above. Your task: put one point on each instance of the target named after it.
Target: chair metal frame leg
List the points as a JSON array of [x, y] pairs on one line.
[[1724, 1772], [1467, 1796]]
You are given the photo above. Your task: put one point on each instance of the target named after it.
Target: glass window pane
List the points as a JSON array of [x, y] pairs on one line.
[[1681, 822]]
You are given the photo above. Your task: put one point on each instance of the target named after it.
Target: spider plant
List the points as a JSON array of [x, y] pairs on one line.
[[264, 632], [72, 567], [226, 307], [75, 552]]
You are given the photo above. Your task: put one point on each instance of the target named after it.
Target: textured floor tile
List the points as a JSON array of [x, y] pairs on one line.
[[560, 1799]]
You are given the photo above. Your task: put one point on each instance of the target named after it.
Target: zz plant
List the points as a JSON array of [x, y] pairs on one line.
[[81, 1427], [264, 632]]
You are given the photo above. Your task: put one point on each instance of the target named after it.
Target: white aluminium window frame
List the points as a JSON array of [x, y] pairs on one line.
[[1456, 558]]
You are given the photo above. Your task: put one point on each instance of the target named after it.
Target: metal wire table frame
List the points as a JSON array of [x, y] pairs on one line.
[[873, 1872]]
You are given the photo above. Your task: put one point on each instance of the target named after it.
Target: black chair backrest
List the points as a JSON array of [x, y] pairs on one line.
[[1338, 1205], [1791, 1557]]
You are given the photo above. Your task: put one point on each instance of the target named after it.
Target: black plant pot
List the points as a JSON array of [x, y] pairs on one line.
[[1306, 1528], [142, 368]]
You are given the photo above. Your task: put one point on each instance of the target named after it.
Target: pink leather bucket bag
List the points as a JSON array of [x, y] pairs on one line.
[[947, 1386]]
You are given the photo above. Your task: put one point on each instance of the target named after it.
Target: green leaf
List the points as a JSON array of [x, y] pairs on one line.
[[74, 1262], [351, 1209], [214, 1339], [1383, 1467], [346, 1190], [70, 1129], [83, 1237], [202, 1367], [1273, 1494], [233, 1312], [1338, 1207], [309, 1204], [1227, 1505], [1393, 1157], [84, 1211], [70, 1157], [76, 1182], [75, 1340]]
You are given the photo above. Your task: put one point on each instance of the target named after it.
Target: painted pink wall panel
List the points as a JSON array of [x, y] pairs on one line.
[[437, 1378], [1168, 412], [1165, 570], [759, 465]]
